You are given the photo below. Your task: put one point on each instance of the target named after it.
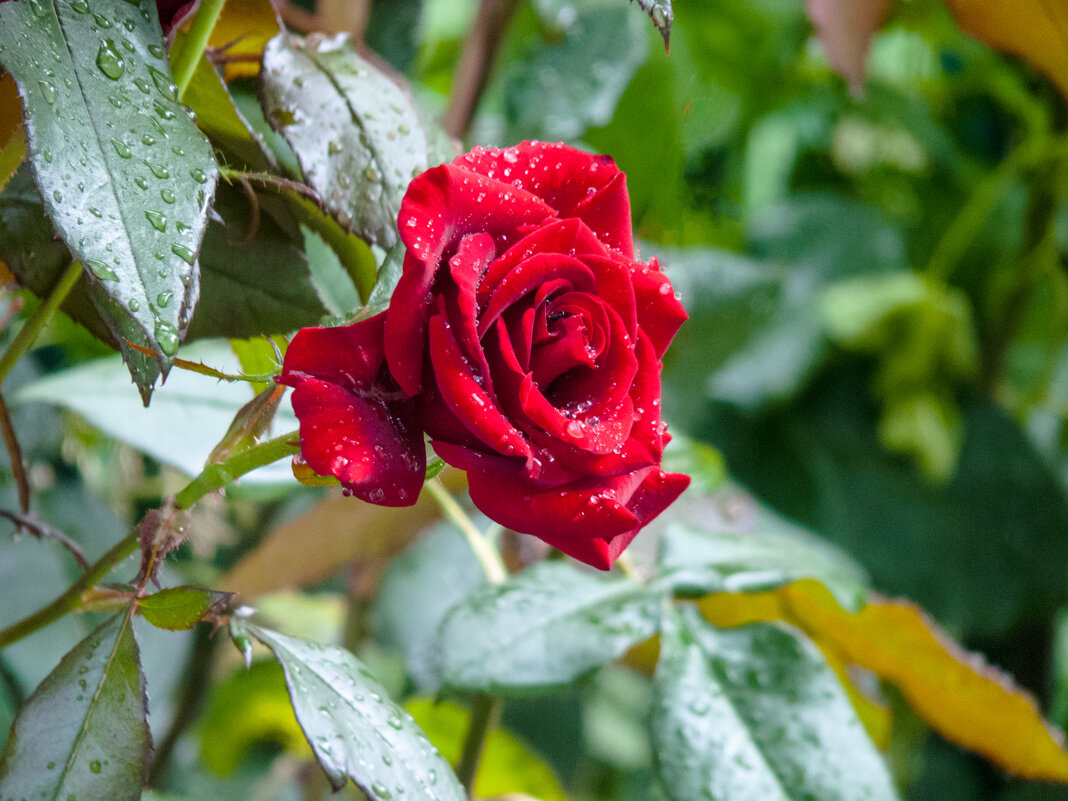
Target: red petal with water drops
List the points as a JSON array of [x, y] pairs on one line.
[[349, 355], [374, 450], [659, 312]]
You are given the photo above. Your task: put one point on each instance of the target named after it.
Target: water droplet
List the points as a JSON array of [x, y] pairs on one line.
[[198, 176], [162, 110], [163, 299], [165, 85], [95, 212], [57, 196], [101, 271], [128, 46], [80, 6], [158, 170], [167, 337], [177, 150], [133, 305], [574, 429], [115, 100], [158, 221], [48, 90], [167, 195], [184, 253], [148, 139], [51, 766], [129, 24], [371, 174], [141, 182], [121, 148], [142, 84], [394, 721], [155, 50], [333, 148], [47, 156], [182, 227], [102, 21], [94, 766], [381, 791], [109, 61]]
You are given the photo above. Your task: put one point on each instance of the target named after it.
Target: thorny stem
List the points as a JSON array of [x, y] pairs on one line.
[[29, 331], [486, 554], [184, 62], [211, 478], [472, 73], [45, 532], [14, 451]]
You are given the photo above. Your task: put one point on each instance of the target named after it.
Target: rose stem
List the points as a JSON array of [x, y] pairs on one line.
[[211, 478], [487, 555], [184, 61], [472, 73], [32, 327], [485, 714]]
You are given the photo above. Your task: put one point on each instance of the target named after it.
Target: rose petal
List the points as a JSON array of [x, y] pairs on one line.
[[659, 312], [545, 471], [571, 237], [598, 553], [529, 276], [466, 268], [466, 397], [607, 213], [373, 449], [405, 329], [348, 355], [566, 178]]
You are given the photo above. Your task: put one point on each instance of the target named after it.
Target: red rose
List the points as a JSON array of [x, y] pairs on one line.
[[523, 338]]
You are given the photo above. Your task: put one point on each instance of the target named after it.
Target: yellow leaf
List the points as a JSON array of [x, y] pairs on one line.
[[966, 700], [12, 129], [244, 27], [508, 767], [1035, 30]]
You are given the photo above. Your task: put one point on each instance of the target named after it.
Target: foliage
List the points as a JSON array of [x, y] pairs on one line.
[[863, 211]]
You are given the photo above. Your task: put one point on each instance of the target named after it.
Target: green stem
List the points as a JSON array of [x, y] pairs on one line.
[[215, 476], [485, 713], [184, 62], [211, 478], [486, 554], [28, 333]]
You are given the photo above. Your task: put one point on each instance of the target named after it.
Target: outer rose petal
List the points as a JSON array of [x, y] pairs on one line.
[[373, 449], [659, 312], [349, 355]]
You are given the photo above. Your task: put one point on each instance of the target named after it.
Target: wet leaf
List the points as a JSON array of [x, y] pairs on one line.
[[358, 135], [125, 175], [729, 543], [83, 733], [178, 608], [756, 713], [544, 627], [355, 731], [846, 27], [660, 13]]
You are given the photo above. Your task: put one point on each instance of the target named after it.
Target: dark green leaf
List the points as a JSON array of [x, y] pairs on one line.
[[125, 175], [729, 543], [544, 627], [355, 730], [388, 276], [419, 588], [755, 712], [259, 286], [178, 608], [357, 134], [83, 733], [557, 91]]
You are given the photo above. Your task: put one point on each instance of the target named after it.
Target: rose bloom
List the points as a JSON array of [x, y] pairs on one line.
[[523, 337]]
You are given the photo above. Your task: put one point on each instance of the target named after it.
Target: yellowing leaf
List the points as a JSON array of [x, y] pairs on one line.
[[846, 27], [966, 700], [12, 129], [508, 768], [1035, 30], [243, 28]]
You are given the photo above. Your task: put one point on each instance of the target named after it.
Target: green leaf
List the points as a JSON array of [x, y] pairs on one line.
[[182, 425], [419, 588], [544, 627], [83, 733], [755, 712], [355, 731], [357, 134], [729, 543], [254, 287], [178, 608], [220, 119], [125, 175], [557, 91]]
